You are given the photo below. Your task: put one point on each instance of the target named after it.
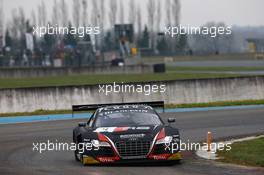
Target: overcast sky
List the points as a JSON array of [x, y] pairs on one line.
[[194, 12]]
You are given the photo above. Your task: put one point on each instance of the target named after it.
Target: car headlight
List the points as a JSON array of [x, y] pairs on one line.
[[97, 143], [164, 140]]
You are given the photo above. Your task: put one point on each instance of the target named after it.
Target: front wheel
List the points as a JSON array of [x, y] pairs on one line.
[[176, 162], [77, 155]]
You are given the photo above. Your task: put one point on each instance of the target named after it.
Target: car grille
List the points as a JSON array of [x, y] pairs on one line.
[[106, 152], [133, 149]]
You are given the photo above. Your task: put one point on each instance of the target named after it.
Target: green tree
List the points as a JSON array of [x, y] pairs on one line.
[[162, 46], [8, 39], [108, 41], [144, 42], [69, 39], [182, 43], [48, 42]]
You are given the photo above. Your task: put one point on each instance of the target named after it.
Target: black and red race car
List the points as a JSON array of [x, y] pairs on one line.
[[125, 133]]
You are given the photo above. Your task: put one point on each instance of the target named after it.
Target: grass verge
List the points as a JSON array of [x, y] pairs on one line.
[[37, 112], [250, 153], [214, 69], [168, 106], [101, 79], [217, 104]]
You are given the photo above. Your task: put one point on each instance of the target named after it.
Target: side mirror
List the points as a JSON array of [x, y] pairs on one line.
[[82, 124], [171, 120]]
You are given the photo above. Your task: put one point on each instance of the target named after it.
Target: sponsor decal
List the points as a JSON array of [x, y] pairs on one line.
[[105, 129], [129, 136], [127, 111], [120, 129]]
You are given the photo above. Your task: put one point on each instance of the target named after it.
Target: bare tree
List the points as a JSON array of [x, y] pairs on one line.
[[22, 21], [85, 14], [176, 12], [158, 15], [158, 20], [132, 12], [95, 19], [102, 14], [39, 15], [42, 14], [55, 13], [151, 20], [18, 26], [121, 12], [76, 13], [95, 13], [139, 22], [168, 12], [64, 13], [101, 19], [13, 24], [112, 12], [33, 18], [1, 24]]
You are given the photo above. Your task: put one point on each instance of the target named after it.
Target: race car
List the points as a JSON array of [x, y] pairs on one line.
[[125, 133]]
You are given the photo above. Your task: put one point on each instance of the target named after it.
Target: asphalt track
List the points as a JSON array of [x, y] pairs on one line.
[[17, 157]]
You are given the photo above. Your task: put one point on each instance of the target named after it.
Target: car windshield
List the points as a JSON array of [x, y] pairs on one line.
[[119, 119]]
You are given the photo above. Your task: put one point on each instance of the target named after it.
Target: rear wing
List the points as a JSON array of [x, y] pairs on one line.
[[154, 104]]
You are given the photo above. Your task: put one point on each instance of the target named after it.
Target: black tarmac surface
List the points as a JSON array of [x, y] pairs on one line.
[[17, 155]]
